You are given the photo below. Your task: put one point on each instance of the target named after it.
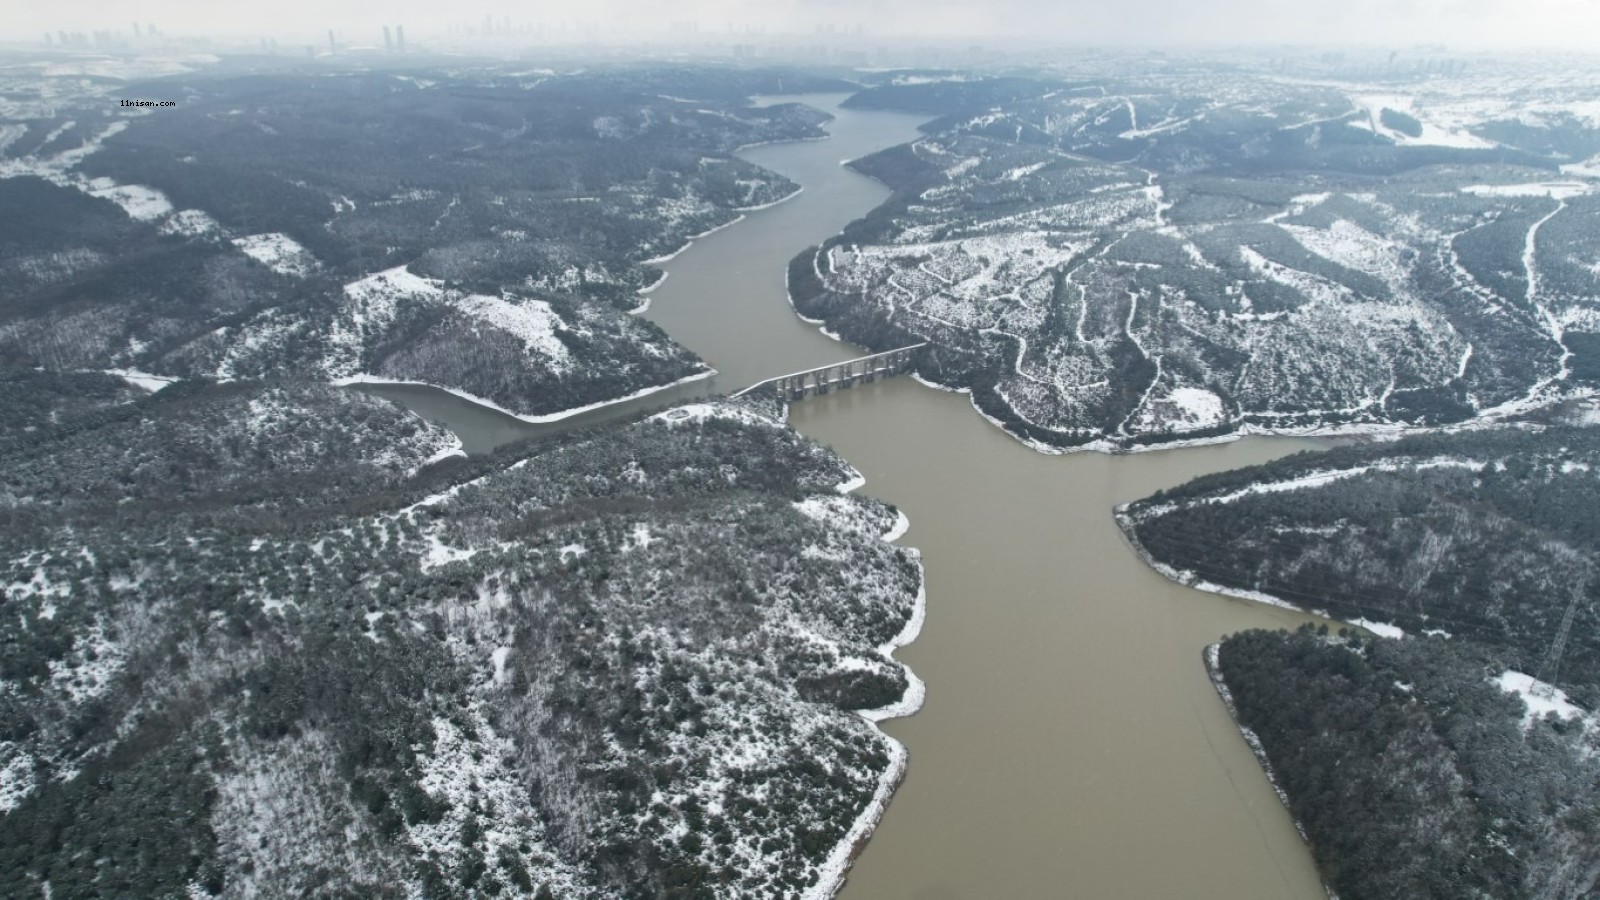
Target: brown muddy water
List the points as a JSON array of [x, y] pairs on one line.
[[1071, 745]]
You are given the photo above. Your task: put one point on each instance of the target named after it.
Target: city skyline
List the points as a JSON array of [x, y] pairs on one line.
[[1384, 23]]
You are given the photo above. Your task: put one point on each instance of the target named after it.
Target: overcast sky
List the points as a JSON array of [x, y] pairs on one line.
[[1388, 23]]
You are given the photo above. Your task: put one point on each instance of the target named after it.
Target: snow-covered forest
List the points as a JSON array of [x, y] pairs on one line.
[[625, 662], [1120, 261]]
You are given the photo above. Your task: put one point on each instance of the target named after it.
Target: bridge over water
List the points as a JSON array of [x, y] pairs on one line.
[[839, 376]]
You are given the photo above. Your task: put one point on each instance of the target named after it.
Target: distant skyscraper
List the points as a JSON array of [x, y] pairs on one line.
[[136, 30], [388, 40], [332, 47], [400, 38]]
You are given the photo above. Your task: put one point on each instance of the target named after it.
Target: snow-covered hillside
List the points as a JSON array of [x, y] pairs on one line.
[[1180, 260], [646, 657]]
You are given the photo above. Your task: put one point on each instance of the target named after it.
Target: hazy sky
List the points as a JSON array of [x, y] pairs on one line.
[[1389, 23]]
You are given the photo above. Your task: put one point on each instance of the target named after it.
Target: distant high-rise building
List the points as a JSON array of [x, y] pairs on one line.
[[136, 30], [400, 38], [388, 40], [332, 47]]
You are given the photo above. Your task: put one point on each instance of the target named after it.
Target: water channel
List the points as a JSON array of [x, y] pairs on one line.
[[1071, 745]]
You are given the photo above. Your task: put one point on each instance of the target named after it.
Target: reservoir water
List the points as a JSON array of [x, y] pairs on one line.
[[1071, 745]]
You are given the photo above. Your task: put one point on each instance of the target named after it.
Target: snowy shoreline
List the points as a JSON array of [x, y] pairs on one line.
[[1239, 427], [1212, 656], [689, 241], [784, 199], [645, 293], [531, 419], [1488, 418], [804, 140], [836, 867], [1125, 524]]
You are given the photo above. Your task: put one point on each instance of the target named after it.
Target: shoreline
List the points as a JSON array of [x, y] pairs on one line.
[[539, 419], [689, 241], [645, 292], [836, 864], [835, 868], [1377, 431], [1539, 398], [1212, 656], [1188, 579], [773, 143]]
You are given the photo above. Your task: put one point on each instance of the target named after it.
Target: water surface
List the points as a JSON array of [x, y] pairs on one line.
[[1071, 744]]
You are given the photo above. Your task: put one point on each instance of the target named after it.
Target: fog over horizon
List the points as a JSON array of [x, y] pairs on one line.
[[1477, 24]]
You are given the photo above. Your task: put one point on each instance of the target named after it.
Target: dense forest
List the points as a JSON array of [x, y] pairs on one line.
[[1412, 773], [197, 441], [1431, 764], [267, 636], [616, 663], [1488, 535]]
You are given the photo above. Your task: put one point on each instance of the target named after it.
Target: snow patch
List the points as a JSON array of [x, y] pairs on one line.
[[1541, 699], [1199, 407], [278, 252], [1555, 190], [1381, 629], [16, 776], [145, 380], [534, 322], [139, 202], [190, 223], [1432, 134]]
